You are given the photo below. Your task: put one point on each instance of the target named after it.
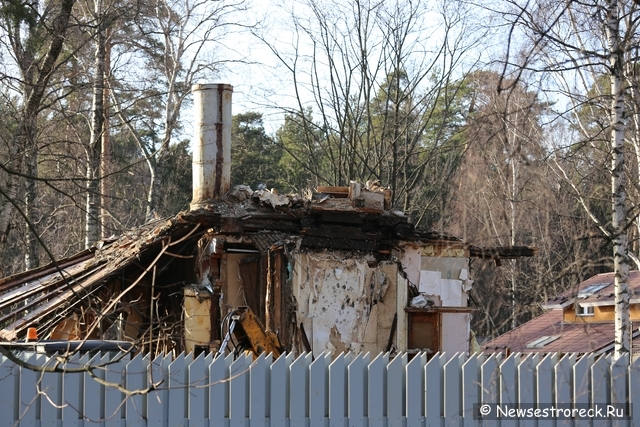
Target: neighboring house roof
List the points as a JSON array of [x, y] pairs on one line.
[[548, 333], [597, 290]]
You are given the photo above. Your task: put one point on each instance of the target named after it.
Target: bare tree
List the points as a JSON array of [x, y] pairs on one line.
[[35, 36], [371, 86], [577, 42], [176, 41]]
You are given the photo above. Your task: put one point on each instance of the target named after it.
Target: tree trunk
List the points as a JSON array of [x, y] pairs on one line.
[[618, 190], [105, 155], [92, 224], [31, 204]]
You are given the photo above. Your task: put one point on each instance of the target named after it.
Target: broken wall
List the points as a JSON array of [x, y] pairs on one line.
[[442, 274], [345, 301]]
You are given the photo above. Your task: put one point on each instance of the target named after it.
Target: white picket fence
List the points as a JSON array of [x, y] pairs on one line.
[[345, 391]]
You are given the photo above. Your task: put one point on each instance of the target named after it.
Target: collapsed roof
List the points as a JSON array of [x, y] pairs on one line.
[[43, 297]]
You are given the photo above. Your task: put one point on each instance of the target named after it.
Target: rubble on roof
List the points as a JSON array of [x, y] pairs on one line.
[[345, 239]]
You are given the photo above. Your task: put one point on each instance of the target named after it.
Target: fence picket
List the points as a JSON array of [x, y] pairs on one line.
[[509, 385], [600, 378], [259, 390], [396, 389], [9, 384], [298, 385], [136, 379], [434, 389], [564, 379], [377, 374], [545, 385], [471, 388], [196, 396], [347, 391], [527, 384], [239, 391], [415, 390], [157, 402], [93, 410], [29, 399], [452, 378], [357, 390], [50, 409], [177, 384], [634, 392], [319, 390], [581, 385], [72, 391], [338, 391], [219, 390], [279, 393], [619, 385]]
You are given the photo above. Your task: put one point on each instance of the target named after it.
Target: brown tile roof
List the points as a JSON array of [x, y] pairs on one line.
[[572, 337], [603, 296]]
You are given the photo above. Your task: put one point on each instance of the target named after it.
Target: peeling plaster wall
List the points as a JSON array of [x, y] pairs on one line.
[[456, 331], [344, 303], [445, 280]]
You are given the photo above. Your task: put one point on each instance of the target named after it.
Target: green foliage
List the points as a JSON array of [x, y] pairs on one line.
[[301, 161], [254, 156], [176, 191]]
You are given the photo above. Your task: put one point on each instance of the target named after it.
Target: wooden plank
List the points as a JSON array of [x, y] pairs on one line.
[[136, 379], [259, 390], [415, 390], [337, 391], [545, 386], [403, 318], [581, 385], [634, 392], [619, 387], [298, 386], [527, 385], [93, 409], [158, 400], [196, 396], [357, 390], [177, 384], [29, 398], [490, 379], [377, 376], [219, 390], [51, 406], [471, 391], [319, 390], [343, 243], [564, 379], [396, 389], [600, 379], [434, 389], [452, 376], [280, 389], [72, 392], [509, 385], [239, 391], [9, 384]]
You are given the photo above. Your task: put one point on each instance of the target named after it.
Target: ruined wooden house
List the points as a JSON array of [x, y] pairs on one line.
[[336, 271]]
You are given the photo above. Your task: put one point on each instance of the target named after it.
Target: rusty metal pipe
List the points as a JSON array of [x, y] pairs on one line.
[[212, 147]]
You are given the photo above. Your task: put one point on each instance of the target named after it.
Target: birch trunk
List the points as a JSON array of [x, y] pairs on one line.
[[105, 155], [618, 190], [92, 223]]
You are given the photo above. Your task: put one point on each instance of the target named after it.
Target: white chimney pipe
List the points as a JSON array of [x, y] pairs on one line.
[[212, 148]]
